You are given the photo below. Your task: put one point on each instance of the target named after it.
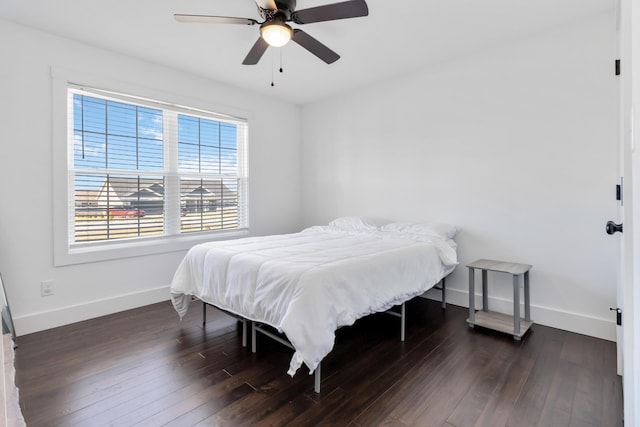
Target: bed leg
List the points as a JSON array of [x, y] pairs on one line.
[[316, 385], [444, 299], [402, 321], [244, 333], [204, 313], [253, 337]]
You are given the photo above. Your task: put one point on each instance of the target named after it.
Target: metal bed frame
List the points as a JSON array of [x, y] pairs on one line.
[[259, 327]]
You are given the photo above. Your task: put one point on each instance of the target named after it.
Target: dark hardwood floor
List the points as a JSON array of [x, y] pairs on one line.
[[145, 367]]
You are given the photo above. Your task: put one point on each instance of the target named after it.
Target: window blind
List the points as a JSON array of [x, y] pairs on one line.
[[145, 169]]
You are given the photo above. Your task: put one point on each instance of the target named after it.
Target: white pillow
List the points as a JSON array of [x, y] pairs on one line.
[[438, 229], [353, 223]]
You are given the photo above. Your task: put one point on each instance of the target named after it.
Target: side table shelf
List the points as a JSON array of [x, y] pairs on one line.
[[513, 325]]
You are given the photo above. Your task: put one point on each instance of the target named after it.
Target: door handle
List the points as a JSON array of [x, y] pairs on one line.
[[612, 227]]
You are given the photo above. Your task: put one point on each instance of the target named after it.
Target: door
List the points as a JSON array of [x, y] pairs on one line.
[[629, 277]]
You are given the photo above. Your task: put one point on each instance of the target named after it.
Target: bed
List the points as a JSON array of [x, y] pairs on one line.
[[308, 284]]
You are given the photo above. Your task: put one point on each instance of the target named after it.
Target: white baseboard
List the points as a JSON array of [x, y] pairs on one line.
[[36, 322], [573, 322], [547, 316]]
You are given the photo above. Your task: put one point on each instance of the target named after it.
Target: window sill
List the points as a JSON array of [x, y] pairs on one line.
[[104, 251]]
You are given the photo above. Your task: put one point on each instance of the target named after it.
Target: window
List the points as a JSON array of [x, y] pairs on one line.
[[141, 169]]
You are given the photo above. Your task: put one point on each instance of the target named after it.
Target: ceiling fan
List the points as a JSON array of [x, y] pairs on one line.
[[274, 30]]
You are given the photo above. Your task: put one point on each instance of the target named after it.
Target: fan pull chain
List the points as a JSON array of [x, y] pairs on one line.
[[273, 67], [272, 83]]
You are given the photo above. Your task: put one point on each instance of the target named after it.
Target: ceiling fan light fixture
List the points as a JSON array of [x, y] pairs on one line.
[[276, 34]]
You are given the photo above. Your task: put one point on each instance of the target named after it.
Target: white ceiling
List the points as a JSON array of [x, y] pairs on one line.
[[397, 36]]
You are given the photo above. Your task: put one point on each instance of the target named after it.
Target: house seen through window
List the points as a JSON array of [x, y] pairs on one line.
[[142, 169]]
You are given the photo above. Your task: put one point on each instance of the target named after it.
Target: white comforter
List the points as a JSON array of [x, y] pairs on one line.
[[308, 284]]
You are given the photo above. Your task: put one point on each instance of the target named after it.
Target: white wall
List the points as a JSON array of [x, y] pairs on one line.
[[516, 145], [26, 237]]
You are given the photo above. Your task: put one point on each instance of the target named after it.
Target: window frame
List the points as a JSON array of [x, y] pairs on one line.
[[67, 252]]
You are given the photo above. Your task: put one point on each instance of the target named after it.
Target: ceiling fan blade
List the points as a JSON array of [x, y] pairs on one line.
[[314, 46], [267, 4], [208, 19], [256, 52], [330, 12]]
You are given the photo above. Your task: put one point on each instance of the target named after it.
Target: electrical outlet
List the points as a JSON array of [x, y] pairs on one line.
[[46, 288]]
